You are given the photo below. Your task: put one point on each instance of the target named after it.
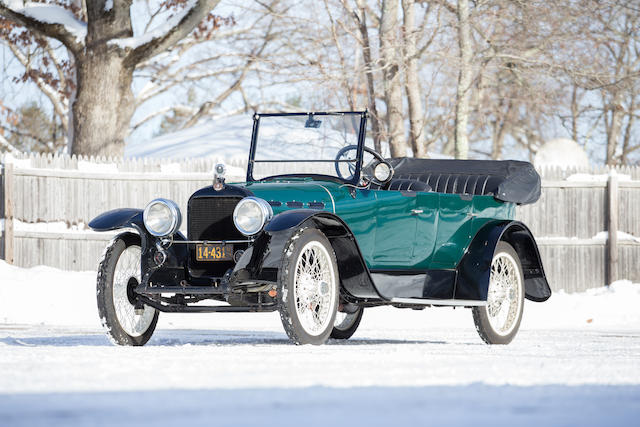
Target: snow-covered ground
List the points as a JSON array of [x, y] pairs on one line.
[[576, 361]]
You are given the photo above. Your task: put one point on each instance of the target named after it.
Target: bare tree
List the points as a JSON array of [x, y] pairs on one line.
[[412, 82], [465, 74], [105, 53], [392, 78]]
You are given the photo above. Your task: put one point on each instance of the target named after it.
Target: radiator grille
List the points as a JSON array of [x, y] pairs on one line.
[[211, 218]]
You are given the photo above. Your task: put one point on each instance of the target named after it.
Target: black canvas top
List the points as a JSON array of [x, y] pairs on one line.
[[507, 180]]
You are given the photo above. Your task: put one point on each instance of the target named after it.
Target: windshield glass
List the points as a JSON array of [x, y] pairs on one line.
[[306, 144]]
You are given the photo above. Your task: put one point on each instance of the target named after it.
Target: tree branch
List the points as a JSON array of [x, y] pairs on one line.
[[57, 31], [186, 24]]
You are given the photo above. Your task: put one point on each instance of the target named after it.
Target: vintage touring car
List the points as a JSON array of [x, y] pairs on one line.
[[323, 227]]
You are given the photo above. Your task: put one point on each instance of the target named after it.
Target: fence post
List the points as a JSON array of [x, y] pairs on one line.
[[8, 213], [612, 219]]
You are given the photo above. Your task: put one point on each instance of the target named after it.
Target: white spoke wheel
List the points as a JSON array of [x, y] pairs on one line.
[[308, 289], [119, 273], [346, 324], [499, 321]]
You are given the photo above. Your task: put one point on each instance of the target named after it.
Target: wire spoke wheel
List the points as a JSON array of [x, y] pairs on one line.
[[309, 283], [499, 321], [503, 303], [126, 277], [119, 273], [314, 288]]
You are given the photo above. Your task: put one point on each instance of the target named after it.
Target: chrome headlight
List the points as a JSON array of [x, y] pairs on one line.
[[251, 214], [162, 217]]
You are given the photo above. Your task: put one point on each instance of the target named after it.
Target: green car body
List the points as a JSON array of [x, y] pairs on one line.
[[395, 230]]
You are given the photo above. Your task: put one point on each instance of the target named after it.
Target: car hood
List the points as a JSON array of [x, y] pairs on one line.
[[304, 194]]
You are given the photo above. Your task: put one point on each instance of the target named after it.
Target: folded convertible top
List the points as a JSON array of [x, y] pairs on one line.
[[506, 180]]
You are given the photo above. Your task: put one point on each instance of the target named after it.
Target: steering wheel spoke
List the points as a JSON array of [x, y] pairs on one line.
[[366, 172]]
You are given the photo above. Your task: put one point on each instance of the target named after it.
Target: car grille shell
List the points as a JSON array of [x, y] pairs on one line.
[[211, 218]]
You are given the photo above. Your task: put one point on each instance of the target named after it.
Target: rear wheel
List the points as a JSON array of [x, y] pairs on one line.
[[346, 324], [119, 273], [498, 322], [308, 295]]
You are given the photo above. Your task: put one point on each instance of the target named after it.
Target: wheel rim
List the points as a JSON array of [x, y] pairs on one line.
[[505, 290], [128, 268], [344, 320], [314, 288]]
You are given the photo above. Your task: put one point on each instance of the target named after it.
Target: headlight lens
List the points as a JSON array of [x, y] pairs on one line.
[[251, 214], [162, 217], [382, 172]]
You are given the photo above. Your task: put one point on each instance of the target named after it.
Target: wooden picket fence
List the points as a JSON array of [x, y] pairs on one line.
[[48, 200]]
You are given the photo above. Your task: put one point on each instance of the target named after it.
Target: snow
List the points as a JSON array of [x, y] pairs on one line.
[[585, 177], [96, 167], [574, 362], [561, 152], [603, 236], [108, 5], [158, 32], [51, 227], [227, 138], [17, 163], [50, 14]]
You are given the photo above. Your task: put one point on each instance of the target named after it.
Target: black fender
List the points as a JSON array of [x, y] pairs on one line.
[[117, 218], [474, 268], [262, 261], [172, 270]]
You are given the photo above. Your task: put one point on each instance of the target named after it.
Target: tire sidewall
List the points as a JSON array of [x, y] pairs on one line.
[[286, 287], [343, 334], [480, 315], [104, 294]]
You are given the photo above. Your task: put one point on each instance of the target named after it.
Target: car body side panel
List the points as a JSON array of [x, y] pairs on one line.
[[395, 229], [453, 230]]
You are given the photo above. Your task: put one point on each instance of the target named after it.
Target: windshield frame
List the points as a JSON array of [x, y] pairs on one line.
[[360, 147]]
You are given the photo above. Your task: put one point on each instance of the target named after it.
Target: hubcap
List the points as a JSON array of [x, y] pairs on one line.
[[505, 290], [314, 288], [125, 277]]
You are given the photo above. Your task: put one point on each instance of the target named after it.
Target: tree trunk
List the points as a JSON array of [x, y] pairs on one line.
[[391, 77], [464, 81], [412, 86], [615, 129], [368, 66], [103, 106]]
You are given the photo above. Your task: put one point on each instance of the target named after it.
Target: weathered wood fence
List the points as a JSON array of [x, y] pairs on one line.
[[48, 200]]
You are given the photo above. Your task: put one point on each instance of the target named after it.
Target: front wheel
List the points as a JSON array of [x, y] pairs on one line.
[[499, 321], [118, 275], [308, 288]]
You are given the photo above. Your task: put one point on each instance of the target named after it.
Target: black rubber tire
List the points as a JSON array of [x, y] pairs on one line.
[[345, 334], [286, 297], [480, 316], [104, 293]]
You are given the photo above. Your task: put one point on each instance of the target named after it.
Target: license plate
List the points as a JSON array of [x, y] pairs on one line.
[[210, 252]]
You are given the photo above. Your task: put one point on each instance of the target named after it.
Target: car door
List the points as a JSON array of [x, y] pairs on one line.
[[395, 229], [453, 230], [426, 214]]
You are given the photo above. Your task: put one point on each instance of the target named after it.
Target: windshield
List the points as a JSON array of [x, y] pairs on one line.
[[303, 144]]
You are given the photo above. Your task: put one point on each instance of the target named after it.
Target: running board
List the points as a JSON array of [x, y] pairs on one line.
[[445, 302]]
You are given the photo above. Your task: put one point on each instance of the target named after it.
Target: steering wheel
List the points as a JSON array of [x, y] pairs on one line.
[[352, 166]]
